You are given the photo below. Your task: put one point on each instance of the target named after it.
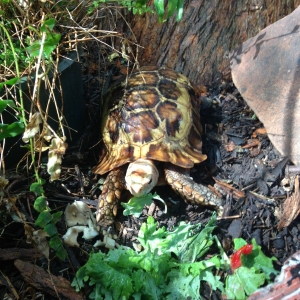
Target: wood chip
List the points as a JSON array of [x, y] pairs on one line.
[[40, 279], [251, 143], [291, 207]]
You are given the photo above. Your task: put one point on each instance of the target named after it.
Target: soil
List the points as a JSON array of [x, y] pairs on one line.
[[239, 154]]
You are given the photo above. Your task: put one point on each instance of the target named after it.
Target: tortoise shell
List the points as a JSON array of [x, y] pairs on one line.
[[157, 118]]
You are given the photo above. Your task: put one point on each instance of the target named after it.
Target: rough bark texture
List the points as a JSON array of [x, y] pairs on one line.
[[198, 45]]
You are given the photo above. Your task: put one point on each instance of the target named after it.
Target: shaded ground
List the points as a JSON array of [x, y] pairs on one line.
[[239, 154]]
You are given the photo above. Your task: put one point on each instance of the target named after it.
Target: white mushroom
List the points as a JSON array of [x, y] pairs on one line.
[[79, 213], [70, 238]]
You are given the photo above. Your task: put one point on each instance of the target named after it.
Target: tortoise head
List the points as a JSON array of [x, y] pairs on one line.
[[141, 177]]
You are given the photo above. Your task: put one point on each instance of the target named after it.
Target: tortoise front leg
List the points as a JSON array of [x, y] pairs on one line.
[[110, 196], [192, 192]]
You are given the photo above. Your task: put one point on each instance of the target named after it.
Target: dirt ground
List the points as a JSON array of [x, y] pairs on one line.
[[250, 173]]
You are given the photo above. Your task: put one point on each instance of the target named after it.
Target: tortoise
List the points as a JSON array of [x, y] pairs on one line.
[[152, 130]]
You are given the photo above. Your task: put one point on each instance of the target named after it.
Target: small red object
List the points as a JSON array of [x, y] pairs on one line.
[[236, 257]]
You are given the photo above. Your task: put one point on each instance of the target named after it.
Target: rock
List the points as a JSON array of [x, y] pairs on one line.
[[266, 71]]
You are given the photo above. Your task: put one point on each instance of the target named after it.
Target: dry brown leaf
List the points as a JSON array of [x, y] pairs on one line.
[[230, 146], [255, 151], [260, 131], [251, 143], [291, 207], [56, 151], [33, 127]]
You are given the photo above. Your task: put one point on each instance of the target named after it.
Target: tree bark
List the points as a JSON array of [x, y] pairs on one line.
[[199, 45]]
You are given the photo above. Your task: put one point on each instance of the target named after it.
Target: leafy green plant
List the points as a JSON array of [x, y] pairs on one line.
[[250, 272], [153, 273], [136, 204], [169, 266], [47, 221], [140, 7]]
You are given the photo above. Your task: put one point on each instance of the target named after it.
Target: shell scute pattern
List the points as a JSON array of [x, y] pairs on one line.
[[157, 118]]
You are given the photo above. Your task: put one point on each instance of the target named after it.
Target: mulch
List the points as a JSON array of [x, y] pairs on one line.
[[248, 170]]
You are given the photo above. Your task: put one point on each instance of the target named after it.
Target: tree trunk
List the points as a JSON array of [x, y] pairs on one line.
[[199, 45]]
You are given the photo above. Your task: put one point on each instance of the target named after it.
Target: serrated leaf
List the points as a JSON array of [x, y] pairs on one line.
[[11, 130], [200, 241], [187, 241], [182, 287], [40, 203], [243, 283], [259, 260], [136, 204], [109, 277]]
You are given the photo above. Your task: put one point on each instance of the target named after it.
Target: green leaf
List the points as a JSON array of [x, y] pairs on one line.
[[56, 217], [198, 243], [260, 261], [9, 82], [43, 219], [36, 188], [110, 277], [11, 130], [136, 204], [179, 10], [61, 253], [239, 243], [48, 25], [172, 5], [187, 241], [50, 229], [160, 9], [40, 203], [4, 103], [55, 242], [50, 44], [182, 287], [243, 283]]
